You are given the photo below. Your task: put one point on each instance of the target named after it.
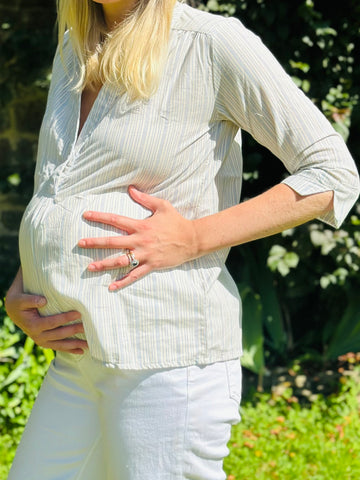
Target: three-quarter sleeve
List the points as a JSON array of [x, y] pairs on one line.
[[254, 92]]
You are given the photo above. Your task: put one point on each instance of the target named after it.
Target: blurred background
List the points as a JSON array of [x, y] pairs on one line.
[[300, 289]]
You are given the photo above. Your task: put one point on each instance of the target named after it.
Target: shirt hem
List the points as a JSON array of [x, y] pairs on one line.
[[221, 357]]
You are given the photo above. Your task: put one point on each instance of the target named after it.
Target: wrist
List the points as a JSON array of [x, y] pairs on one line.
[[17, 284], [217, 231], [200, 242]]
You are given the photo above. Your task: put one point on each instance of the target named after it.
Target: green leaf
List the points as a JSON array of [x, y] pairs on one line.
[[14, 179], [253, 338], [326, 31], [306, 85], [282, 268], [49, 355], [29, 345], [281, 260], [304, 67], [13, 376], [342, 129], [8, 353], [346, 337], [291, 259], [256, 274]]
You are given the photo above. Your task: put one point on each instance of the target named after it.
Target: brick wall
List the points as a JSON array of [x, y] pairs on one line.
[[27, 43]]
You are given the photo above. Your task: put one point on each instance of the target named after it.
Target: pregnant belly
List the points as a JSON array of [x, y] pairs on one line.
[[53, 264]]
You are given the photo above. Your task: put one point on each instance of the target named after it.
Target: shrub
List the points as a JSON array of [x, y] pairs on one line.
[[22, 368]]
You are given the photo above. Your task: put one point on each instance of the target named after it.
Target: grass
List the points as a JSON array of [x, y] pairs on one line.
[[283, 439]]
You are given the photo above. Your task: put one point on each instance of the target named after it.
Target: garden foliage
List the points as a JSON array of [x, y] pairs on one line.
[[22, 368], [299, 289], [279, 438]]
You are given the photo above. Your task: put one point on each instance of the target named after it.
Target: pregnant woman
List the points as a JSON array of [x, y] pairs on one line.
[[135, 208]]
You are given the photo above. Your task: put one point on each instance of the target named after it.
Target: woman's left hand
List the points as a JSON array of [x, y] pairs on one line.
[[164, 239]]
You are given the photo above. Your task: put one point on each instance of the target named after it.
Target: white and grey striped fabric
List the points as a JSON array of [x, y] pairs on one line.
[[182, 145]]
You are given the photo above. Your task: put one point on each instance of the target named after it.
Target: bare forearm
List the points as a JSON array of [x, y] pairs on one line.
[[276, 210]]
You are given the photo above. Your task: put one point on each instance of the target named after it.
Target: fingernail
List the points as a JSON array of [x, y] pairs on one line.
[[91, 267], [41, 301], [81, 243], [113, 287], [87, 214]]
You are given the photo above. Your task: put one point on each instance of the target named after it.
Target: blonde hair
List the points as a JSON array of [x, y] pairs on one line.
[[131, 56]]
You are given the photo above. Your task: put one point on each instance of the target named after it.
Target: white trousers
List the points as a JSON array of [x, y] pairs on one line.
[[91, 422]]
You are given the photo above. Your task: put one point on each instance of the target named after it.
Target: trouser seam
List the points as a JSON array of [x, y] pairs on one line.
[[186, 422], [88, 456]]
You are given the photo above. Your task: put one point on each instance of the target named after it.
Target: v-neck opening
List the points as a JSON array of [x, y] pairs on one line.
[[90, 113], [80, 133]]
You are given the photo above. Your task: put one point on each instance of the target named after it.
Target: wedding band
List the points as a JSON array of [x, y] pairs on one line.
[[133, 262]]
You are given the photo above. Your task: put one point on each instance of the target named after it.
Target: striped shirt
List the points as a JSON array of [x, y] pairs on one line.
[[182, 145]]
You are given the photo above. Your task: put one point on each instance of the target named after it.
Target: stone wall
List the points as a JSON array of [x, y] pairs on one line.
[[27, 43]]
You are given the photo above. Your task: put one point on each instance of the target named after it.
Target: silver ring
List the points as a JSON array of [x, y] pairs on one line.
[[133, 262]]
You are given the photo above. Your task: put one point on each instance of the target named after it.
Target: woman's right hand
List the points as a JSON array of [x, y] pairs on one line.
[[48, 332]]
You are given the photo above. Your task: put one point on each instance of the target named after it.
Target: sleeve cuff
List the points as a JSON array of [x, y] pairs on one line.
[[344, 199]]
